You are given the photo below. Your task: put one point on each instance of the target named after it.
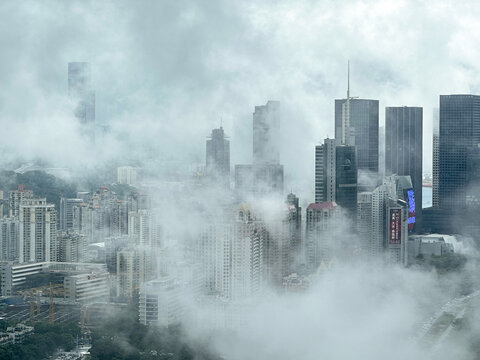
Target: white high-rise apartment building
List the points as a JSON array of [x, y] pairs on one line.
[[127, 175], [9, 238], [16, 197], [144, 226], [38, 231]]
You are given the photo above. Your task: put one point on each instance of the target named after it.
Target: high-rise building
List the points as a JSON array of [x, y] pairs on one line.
[[134, 267], [435, 163], [336, 174], [127, 175], [356, 123], [66, 212], [459, 141], [9, 238], [81, 93], [382, 220], [266, 133], [16, 197], [265, 176], [403, 150], [282, 241], [71, 247], [159, 302], [247, 271], [319, 238], [38, 231], [144, 226], [218, 158]]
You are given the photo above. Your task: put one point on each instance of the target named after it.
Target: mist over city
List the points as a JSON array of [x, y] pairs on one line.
[[239, 180]]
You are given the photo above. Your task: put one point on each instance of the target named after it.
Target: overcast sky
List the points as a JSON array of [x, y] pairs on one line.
[[166, 72]]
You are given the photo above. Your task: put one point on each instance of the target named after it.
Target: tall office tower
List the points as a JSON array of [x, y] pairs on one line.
[[336, 174], [38, 231], [134, 267], [66, 212], [265, 176], [325, 156], [127, 175], [346, 178], [218, 158], [403, 150], [16, 197], [71, 247], [435, 163], [81, 93], [159, 302], [9, 238], [266, 133], [319, 238], [381, 152], [382, 219], [458, 146], [356, 124]]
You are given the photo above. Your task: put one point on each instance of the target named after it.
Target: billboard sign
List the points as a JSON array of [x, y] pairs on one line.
[[410, 200], [395, 236]]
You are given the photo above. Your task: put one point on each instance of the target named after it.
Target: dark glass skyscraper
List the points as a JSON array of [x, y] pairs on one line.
[[336, 174], [346, 178], [403, 149], [459, 142], [361, 130]]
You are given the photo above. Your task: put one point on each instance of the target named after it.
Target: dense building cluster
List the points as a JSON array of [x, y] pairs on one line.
[[243, 239]]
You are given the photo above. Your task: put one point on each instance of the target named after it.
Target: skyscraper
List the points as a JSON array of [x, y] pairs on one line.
[[336, 174], [459, 140], [403, 149], [435, 164], [66, 212], [266, 133], [218, 157], [81, 93], [265, 175], [356, 123]]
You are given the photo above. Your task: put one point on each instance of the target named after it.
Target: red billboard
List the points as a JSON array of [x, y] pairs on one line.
[[395, 226]]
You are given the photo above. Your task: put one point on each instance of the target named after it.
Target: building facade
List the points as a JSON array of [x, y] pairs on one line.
[[403, 150]]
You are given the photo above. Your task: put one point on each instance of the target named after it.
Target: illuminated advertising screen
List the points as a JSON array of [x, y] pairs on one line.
[[410, 200], [395, 226]]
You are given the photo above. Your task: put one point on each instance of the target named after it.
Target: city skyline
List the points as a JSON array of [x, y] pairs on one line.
[[239, 180]]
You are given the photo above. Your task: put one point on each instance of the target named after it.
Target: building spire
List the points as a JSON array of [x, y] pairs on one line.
[[348, 79], [346, 110]]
